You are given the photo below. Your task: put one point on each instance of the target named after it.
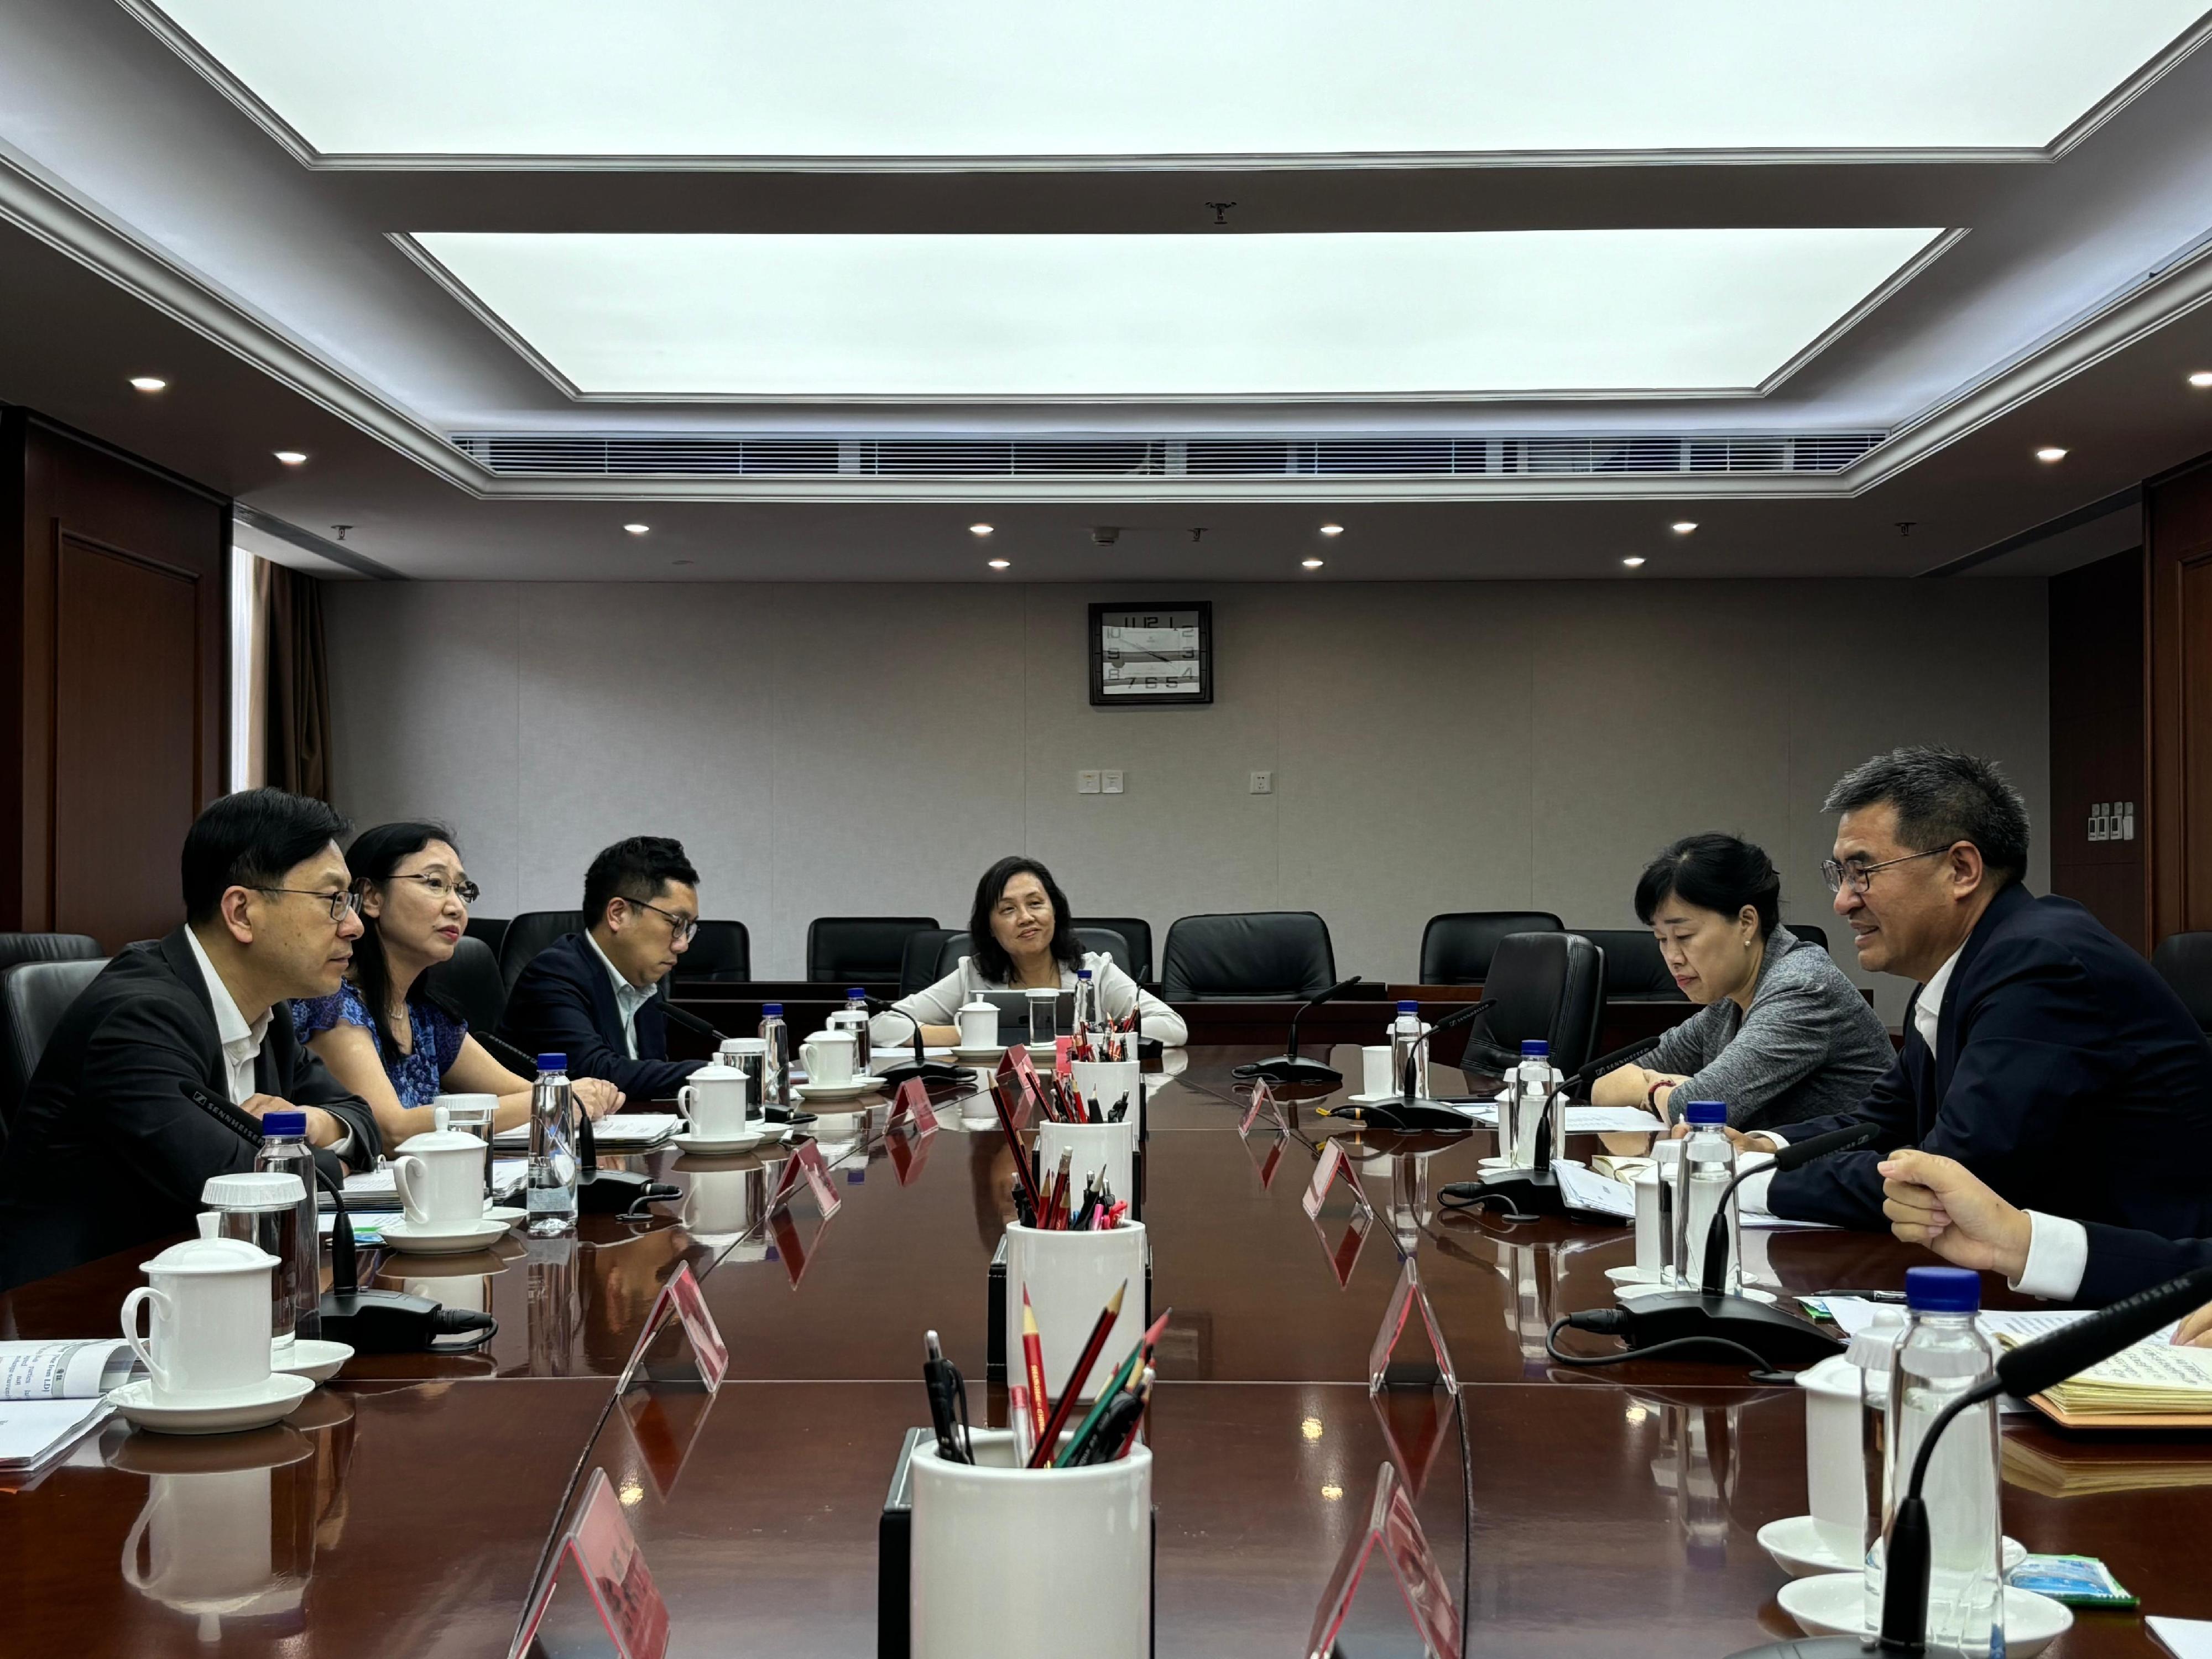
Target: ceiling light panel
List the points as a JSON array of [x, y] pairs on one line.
[[1456, 313], [1089, 79]]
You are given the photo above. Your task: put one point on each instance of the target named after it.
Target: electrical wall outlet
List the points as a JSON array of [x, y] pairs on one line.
[[1263, 783], [1086, 783], [1110, 783]]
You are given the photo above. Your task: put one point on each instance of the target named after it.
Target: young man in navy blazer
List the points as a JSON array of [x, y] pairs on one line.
[[2040, 1052], [590, 995]]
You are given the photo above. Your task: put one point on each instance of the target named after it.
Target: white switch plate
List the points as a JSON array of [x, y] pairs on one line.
[[1086, 783], [1110, 783], [1263, 783]]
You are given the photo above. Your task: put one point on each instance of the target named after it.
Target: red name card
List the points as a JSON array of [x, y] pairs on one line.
[[681, 1296], [600, 1548], [1392, 1523], [805, 1160], [911, 1104]]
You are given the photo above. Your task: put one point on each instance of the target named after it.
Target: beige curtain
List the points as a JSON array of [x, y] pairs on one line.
[[292, 685]]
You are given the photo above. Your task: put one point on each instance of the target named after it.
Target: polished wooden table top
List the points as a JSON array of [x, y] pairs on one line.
[[1581, 1511]]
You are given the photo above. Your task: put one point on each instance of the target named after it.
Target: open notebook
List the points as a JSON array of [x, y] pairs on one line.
[[51, 1392], [2152, 1385]]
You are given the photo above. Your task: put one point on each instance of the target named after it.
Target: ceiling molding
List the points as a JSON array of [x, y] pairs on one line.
[[306, 541]]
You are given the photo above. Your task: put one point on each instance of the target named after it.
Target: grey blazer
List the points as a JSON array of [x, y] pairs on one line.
[[1809, 1047]]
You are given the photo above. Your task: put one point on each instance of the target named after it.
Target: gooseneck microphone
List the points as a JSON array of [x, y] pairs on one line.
[[598, 1191], [1410, 1111], [1286, 1067], [2027, 1369], [689, 1021], [1613, 1062], [929, 1070], [1704, 1315], [368, 1322]]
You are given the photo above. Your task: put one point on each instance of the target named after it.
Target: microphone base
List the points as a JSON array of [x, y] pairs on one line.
[[1838, 1647], [1292, 1069], [1779, 1338], [379, 1321], [616, 1191], [929, 1070], [1525, 1192], [1420, 1113]]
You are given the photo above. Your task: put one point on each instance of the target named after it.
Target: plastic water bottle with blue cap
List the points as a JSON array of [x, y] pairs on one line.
[[550, 1203], [1707, 1166], [1529, 1100]]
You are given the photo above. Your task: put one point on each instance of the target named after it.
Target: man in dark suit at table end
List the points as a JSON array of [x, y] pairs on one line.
[[2040, 1052], [107, 1150], [590, 995]]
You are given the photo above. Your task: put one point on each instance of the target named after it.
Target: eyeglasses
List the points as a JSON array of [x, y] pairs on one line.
[[1861, 876], [339, 902], [438, 887], [682, 928]]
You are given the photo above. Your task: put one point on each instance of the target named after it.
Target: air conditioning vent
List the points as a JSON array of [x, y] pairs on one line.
[[687, 455]]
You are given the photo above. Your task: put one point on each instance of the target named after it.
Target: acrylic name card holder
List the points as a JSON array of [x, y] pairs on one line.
[[600, 1553], [1343, 1231], [1391, 1523]]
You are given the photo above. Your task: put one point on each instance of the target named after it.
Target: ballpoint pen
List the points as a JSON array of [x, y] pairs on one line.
[[948, 1402]]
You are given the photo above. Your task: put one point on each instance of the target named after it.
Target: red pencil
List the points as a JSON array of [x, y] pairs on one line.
[[1047, 1444], [1033, 1362]]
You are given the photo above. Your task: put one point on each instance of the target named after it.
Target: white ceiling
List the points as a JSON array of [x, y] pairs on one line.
[[1125, 78]]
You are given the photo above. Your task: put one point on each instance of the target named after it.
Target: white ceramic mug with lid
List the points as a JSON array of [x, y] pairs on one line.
[[207, 1338], [715, 1100], [441, 1178], [828, 1058]]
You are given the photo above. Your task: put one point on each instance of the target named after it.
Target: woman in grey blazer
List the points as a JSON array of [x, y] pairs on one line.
[[1783, 1036]]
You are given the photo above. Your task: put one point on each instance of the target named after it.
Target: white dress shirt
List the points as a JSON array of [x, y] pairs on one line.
[[241, 1043], [628, 998], [1928, 1007]]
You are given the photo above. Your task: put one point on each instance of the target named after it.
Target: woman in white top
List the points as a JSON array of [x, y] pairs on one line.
[[1021, 937]]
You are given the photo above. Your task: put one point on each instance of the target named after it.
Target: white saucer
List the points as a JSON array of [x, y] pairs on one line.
[[1833, 1604], [978, 1056], [1372, 1100], [317, 1362], [1632, 1275], [1629, 1292], [853, 1089], [255, 1408], [506, 1214], [1798, 1549], [707, 1148], [445, 1239]]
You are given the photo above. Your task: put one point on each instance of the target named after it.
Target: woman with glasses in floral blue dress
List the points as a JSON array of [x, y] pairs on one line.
[[384, 1034]]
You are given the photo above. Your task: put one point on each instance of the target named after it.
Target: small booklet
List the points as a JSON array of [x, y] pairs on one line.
[[627, 1132], [51, 1392], [2152, 1379]]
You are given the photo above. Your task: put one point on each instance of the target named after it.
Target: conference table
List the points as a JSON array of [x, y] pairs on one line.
[[410, 1505]]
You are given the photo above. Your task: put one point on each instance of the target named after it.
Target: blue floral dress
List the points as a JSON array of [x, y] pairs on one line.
[[417, 1079]]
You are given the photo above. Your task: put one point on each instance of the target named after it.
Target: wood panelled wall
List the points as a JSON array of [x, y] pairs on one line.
[[2178, 524], [2097, 759], [114, 607]]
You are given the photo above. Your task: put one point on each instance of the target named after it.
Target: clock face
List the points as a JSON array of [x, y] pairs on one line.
[[1152, 653]]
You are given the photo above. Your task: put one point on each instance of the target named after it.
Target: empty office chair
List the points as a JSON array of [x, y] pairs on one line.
[[492, 930], [856, 949], [1807, 930], [49, 947], [529, 933], [2185, 962], [1253, 954], [720, 953], [1456, 946], [1547, 985], [1093, 941], [1138, 965], [1634, 969], [470, 981], [918, 961], [34, 996]]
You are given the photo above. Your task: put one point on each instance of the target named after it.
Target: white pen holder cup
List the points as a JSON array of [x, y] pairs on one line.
[[207, 1338], [1110, 1148], [1069, 1276], [1105, 1081], [1000, 1554], [1835, 1466]]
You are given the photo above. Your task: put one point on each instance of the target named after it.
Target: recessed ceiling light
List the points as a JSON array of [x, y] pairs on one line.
[[1332, 530], [637, 529], [2203, 377], [293, 456], [1000, 564], [1683, 526], [150, 383], [979, 530], [1634, 560], [1311, 564], [2050, 452]]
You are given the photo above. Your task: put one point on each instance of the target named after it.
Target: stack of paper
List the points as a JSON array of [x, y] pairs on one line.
[[1590, 1119], [51, 1392], [625, 1131], [379, 1189]]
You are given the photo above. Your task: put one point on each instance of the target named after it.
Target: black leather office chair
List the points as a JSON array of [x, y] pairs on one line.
[[1456, 946], [49, 947], [1550, 986], [529, 933], [917, 960], [1634, 969], [2185, 962], [720, 953], [1807, 930], [1092, 939], [470, 979], [492, 930], [1254, 954], [855, 950], [34, 996], [1138, 965]]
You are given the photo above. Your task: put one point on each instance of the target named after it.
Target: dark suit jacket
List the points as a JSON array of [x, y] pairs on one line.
[[106, 1152], [2068, 1076], [2123, 1261], [564, 1003]]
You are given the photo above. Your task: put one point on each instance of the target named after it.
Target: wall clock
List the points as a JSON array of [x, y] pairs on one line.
[[1151, 656]]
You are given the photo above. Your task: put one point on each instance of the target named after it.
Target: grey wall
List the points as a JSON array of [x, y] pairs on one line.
[[869, 748]]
